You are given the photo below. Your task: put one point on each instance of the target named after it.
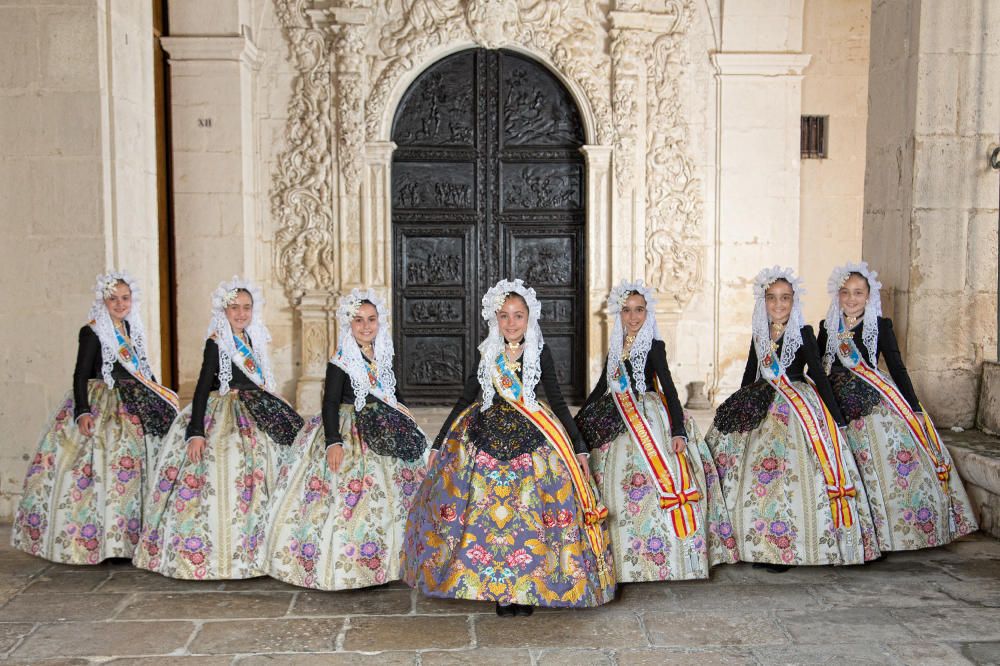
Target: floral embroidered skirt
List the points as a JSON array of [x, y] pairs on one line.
[[339, 531], [504, 530], [910, 507], [205, 520], [82, 498], [646, 544], [776, 493]]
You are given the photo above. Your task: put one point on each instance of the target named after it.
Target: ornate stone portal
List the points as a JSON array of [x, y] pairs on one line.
[[330, 194]]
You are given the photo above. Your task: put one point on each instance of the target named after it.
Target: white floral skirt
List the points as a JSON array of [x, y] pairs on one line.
[[205, 520], [82, 500], [339, 531], [776, 493], [910, 506], [646, 545]]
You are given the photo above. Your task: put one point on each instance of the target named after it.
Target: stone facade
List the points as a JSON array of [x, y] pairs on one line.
[[930, 195], [280, 117]]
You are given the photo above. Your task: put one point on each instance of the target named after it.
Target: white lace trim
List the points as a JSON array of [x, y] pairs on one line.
[[643, 339], [761, 322], [873, 310], [105, 328], [350, 358], [257, 331], [492, 346]]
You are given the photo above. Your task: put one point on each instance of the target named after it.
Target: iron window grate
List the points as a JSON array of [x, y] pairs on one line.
[[813, 139]]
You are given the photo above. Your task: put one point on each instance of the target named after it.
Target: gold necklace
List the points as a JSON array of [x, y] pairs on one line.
[[629, 339], [778, 328], [852, 321]]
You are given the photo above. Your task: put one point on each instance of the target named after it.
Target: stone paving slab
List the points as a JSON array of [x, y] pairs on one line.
[[939, 606]]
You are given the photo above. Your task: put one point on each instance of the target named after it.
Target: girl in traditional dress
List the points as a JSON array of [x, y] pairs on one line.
[[507, 512], [218, 462], [916, 498], [666, 513], [339, 509], [791, 486], [83, 494]]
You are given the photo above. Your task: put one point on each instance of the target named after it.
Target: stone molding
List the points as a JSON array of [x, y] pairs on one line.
[[201, 49], [760, 63], [330, 195]]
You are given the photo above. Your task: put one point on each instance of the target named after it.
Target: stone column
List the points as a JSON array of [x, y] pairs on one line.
[[930, 223], [599, 185], [214, 187], [317, 320]]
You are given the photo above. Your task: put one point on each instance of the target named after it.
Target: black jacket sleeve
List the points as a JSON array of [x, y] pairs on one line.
[[658, 358], [600, 389], [821, 339], [814, 365], [209, 371], [88, 352], [889, 348], [750, 372], [556, 401], [333, 394], [469, 395]]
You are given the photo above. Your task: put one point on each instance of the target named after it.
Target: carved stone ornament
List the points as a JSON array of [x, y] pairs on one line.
[[352, 57]]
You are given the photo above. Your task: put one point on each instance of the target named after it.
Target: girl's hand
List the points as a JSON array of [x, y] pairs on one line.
[[582, 458], [196, 449], [679, 444], [86, 425], [431, 457], [334, 457]]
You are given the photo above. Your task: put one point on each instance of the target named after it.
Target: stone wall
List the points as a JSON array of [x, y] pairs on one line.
[[931, 199], [834, 84], [77, 196]]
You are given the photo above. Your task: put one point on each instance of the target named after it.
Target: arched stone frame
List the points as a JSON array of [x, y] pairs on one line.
[[376, 205], [331, 193]]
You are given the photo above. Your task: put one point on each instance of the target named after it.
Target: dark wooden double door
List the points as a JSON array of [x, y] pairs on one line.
[[487, 184]]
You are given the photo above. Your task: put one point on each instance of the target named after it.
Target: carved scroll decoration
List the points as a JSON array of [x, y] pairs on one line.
[[674, 249]]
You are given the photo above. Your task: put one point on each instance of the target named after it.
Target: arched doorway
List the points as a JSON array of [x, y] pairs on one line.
[[487, 183]]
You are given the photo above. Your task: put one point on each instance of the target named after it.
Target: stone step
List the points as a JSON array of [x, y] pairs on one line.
[[977, 459]]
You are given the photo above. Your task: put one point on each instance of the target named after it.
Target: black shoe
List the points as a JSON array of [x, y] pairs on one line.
[[758, 565], [777, 568], [881, 558], [506, 610], [523, 610]]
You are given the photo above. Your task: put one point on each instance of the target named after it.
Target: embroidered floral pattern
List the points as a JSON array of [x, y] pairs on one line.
[[909, 507], [777, 495], [91, 487], [272, 415], [339, 531], [506, 530], [389, 432], [599, 421], [206, 519], [646, 547], [744, 410]]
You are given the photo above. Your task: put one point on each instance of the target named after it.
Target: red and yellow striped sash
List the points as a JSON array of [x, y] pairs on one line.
[[928, 439], [838, 488], [680, 502]]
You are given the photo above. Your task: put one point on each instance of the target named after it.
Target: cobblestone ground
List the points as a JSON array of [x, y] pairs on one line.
[[931, 607]]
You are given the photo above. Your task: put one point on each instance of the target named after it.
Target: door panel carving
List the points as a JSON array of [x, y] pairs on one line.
[[487, 183]]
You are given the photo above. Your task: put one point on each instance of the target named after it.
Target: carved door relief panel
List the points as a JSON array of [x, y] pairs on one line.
[[487, 183]]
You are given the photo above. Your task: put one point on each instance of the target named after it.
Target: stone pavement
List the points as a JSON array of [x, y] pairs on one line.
[[930, 607]]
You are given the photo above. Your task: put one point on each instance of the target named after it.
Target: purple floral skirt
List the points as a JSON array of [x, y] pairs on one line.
[[508, 531]]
